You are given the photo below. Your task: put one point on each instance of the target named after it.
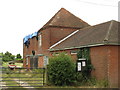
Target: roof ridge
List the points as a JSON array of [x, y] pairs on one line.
[[60, 12], [64, 39], [108, 32], [66, 11], [74, 15], [52, 18]]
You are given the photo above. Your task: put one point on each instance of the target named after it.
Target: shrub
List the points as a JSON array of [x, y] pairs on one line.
[[61, 70]]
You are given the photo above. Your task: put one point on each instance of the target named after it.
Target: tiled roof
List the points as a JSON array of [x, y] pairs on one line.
[[101, 34], [64, 18]]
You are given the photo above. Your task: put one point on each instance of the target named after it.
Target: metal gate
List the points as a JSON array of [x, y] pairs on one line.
[[23, 78]]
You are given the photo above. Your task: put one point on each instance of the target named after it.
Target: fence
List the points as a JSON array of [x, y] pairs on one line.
[[23, 77]]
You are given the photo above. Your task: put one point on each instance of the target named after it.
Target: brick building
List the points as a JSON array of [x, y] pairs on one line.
[[102, 40], [58, 27], [65, 32]]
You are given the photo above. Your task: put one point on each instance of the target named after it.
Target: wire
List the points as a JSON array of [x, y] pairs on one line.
[[97, 3]]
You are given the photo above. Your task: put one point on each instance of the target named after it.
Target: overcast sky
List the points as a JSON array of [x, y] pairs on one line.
[[19, 18]]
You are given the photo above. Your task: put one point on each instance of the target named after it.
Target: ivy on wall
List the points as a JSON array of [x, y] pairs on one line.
[[85, 53]]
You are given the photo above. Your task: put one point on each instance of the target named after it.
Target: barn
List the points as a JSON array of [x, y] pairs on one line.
[[58, 27], [65, 32], [104, 45]]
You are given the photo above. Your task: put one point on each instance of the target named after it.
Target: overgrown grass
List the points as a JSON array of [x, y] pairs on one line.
[[98, 83], [10, 83], [33, 78], [32, 75], [94, 83], [5, 64]]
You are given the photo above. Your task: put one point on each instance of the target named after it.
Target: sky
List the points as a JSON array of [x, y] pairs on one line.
[[19, 18]]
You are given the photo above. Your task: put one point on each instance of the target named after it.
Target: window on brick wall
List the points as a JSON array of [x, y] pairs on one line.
[[55, 54], [73, 52], [40, 40]]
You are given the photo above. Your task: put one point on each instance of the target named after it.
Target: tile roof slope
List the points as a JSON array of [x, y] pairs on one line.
[[114, 34], [92, 35], [64, 18]]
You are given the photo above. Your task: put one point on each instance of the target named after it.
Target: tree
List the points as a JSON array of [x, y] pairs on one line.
[[8, 57], [1, 54], [18, 57]]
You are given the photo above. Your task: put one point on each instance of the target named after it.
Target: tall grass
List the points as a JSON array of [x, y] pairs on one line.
[[93, 82]]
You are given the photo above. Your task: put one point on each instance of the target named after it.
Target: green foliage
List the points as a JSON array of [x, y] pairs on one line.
[[18, 56], [97, 83], [8, 57], [1, 55], [38, 70], [85, 53], [82, 80], [61, 70]]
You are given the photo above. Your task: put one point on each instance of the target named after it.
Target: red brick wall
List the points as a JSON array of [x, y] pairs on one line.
[[28, 51], [45, 37], [49, 37], [119, 66], [27, 66], [74, 56], [57, 34], [103, 58], [33, 45], [113, 66], [52, 35], [40, 62], [105, 61], [99, 59]]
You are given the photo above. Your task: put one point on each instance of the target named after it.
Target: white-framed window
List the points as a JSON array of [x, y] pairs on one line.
[[55, 54], [40, 40], [73, 52]]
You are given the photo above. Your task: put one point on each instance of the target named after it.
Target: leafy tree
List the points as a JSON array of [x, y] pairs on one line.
[[8, 57], [1, 54], [61, 70], [18, 56]]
